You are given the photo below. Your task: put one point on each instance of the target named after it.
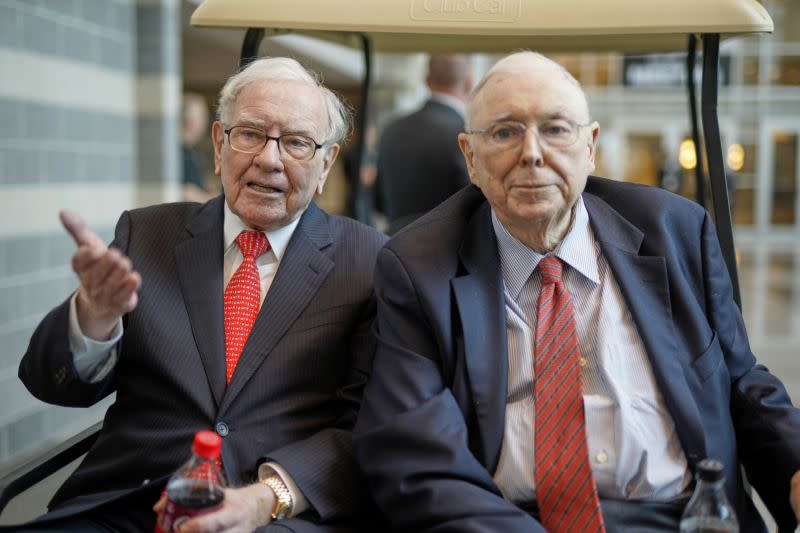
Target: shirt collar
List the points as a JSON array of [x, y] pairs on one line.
[[518, 261], [278, 239], [450, 101]]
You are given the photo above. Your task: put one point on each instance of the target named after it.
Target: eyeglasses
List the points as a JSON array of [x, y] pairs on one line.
[[249, 140], [554, 133]]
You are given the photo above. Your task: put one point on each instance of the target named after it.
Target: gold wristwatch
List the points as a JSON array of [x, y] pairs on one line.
[[283, 498]]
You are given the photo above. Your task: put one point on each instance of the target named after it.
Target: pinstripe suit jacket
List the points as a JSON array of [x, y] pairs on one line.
[[430, 430], [297, 385]]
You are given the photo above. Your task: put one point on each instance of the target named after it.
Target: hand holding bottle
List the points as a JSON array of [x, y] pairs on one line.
[[244, 509], [196, 488]]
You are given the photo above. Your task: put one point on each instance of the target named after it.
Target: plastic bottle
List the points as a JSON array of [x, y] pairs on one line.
[[708, 510], [196, 487]]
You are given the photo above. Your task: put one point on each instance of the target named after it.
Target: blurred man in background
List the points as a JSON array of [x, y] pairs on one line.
[[194, 128], [419, 162]]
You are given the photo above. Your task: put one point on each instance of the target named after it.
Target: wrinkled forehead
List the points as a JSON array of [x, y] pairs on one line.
[[289, 93], [529, 91], [285, 102]]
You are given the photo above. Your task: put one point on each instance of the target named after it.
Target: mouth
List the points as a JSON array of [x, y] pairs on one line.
[[264, 189], [533, 185]]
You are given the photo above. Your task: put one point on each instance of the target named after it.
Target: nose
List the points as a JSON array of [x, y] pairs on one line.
[[269, 158], [532, 152]]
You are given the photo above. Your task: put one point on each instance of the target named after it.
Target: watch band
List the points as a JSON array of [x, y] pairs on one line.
[[283, 497]]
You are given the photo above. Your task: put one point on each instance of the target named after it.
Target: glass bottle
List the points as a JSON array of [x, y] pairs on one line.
[[708, 510], [196, 487]]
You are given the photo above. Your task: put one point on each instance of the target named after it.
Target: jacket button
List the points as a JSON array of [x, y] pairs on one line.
[[222, 429]]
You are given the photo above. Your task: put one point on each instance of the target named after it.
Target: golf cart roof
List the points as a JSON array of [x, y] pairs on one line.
[[494, 25]]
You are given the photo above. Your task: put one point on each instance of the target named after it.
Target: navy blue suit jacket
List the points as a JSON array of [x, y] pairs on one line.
[[430, 430], [297, 386]]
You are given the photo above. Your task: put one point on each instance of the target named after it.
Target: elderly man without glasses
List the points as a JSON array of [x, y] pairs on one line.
[[249, 315], [557, 352]]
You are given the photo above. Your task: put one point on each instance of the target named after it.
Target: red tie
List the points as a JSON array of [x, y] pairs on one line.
[[242, 298], [565, 489]]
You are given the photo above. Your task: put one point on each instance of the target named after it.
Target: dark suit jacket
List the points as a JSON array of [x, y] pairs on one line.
[[297, 386], [419, 163], [430, 430]]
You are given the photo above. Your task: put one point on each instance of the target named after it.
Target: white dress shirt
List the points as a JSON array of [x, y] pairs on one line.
[[95, 359], [634, 450]]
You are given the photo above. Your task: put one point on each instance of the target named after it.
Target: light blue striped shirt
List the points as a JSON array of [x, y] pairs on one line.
[[633, 447]]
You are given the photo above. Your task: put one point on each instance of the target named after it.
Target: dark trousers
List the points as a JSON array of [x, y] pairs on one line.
[[131, 513], [624, 516]]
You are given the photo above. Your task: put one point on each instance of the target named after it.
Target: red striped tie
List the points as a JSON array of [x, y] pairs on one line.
[[565, 489], [242, 298]]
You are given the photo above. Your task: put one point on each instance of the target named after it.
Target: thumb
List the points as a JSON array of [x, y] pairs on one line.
[[77, 228], [161, 503]]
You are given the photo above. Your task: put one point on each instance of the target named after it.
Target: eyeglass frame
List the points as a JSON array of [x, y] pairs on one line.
[[524, 128], [277, 140]]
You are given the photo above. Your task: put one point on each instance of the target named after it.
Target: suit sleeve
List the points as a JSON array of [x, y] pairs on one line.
[[48, 370], [323, 465], [411, 437], [767, 425]]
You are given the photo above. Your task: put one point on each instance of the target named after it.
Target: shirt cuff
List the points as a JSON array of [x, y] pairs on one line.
[[299, 502], [93, 359]]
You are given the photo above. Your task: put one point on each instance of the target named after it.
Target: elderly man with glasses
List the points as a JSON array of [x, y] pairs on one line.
[[557, 352], [249, 315]]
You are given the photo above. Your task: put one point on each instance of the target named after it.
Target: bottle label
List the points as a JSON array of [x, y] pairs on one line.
[[175, 514]]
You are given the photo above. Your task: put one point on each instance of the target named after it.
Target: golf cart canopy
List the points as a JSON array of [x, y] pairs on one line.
[[494, 26]]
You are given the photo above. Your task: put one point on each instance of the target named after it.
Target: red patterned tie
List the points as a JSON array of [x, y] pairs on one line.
[[242, 298], [565, 489]]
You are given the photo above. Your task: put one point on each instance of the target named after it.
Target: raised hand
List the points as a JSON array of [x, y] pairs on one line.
[[109, 284]]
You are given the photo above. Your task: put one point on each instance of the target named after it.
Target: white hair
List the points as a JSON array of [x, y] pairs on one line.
[[284, 68]]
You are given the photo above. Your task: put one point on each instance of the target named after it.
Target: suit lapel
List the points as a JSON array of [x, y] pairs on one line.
[[481, 307], [199, 259], [644, 285], [302, 270]]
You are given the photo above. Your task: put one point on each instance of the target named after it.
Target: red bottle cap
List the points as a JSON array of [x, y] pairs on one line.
[[207, 444]]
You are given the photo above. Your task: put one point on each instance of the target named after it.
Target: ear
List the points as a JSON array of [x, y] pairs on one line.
[[469, 153], [592, 145], [218, 138], [327, 163]]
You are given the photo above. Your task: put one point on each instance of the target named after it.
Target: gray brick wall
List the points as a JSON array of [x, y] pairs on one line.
[[93, 31], [56, 144], [35, 276], [158, 55], [47, 143], [156, 49]]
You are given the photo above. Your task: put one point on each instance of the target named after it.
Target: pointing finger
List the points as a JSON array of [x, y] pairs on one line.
[[77, 228]]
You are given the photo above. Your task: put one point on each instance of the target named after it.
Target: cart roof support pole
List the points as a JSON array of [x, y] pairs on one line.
[[716, 164]]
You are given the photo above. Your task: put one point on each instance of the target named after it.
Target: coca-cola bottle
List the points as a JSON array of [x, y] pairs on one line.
[[196, 487]]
